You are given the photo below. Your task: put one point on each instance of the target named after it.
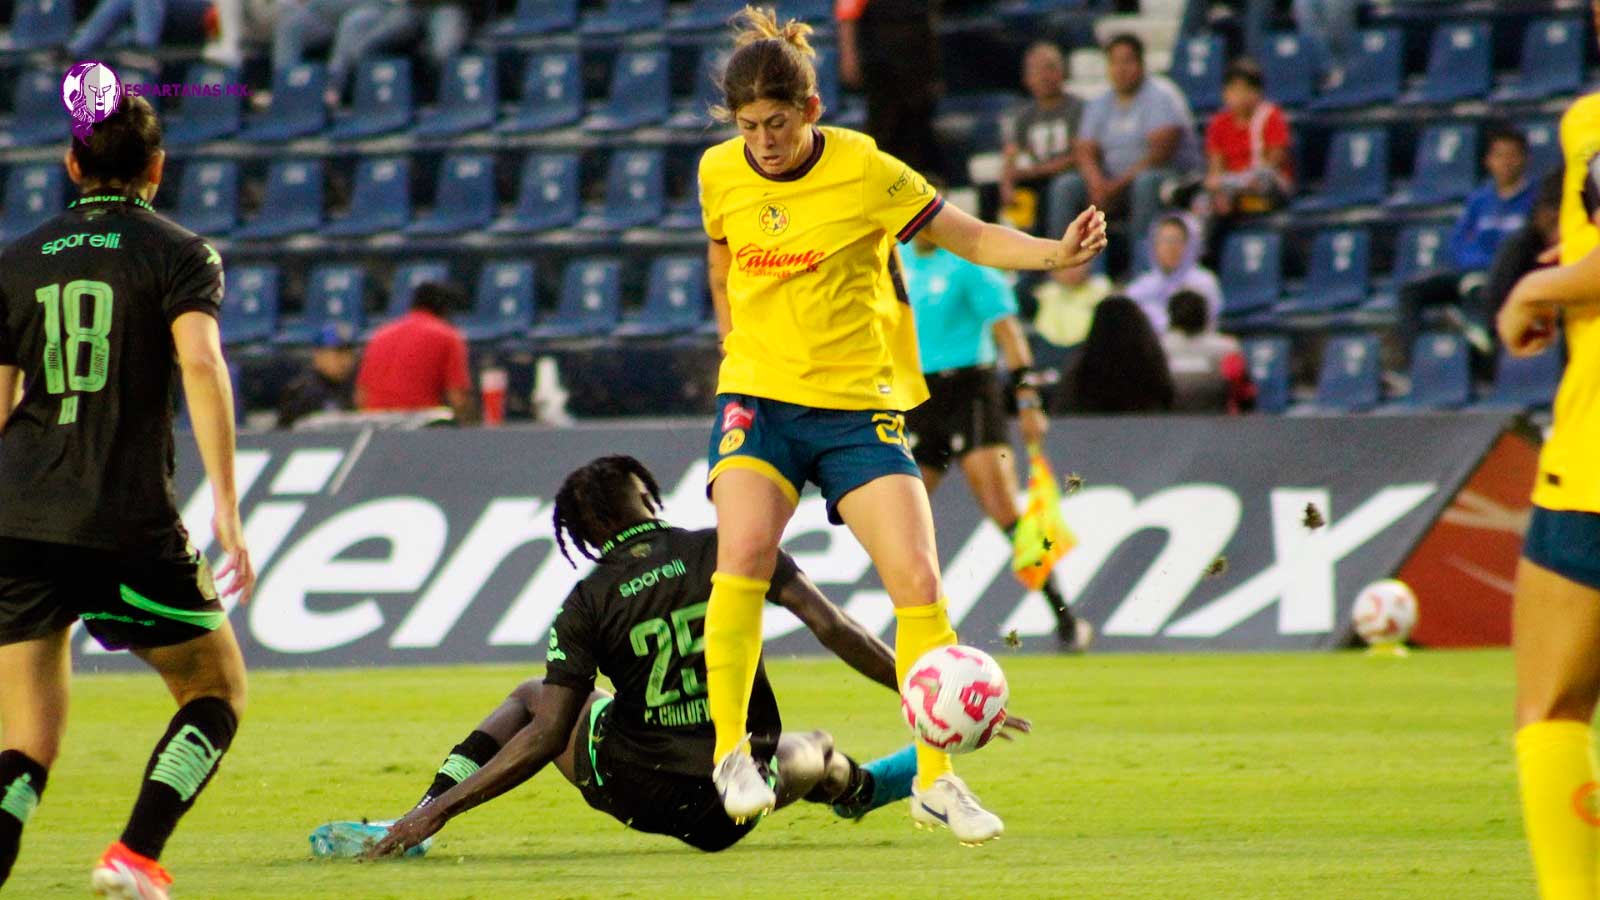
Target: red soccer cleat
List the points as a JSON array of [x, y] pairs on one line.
[[125, 875]]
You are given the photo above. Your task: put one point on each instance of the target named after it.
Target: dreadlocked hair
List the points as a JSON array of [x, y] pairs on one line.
[[593, 499]]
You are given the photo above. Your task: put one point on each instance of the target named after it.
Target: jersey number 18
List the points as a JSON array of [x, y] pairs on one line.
[[61, 363]]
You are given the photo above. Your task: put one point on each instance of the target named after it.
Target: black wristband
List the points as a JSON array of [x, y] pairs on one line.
[[1024, 377]]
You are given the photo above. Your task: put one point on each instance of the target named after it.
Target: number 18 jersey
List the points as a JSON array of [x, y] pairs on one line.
[[87, 302]]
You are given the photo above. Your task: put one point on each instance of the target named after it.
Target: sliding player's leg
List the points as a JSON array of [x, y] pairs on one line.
[[33, 716], [511, 716]]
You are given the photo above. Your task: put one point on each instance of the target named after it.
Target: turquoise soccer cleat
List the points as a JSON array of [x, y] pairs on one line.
[[347, 840]]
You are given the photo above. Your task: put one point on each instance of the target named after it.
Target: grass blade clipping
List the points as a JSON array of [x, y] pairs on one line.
[[1042, 536]]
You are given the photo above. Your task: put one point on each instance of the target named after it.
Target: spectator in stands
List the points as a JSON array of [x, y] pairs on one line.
[[1525, 249], [1328, 30], [154, 22], [1498, 207], [1247, 147], [1135, 136], [1036, 140], [1175, 266], [1209, 372], [239, 21], [1122, 368], [357, 29], [326, 386], [419, 361], [1066, 304], [889, 49]]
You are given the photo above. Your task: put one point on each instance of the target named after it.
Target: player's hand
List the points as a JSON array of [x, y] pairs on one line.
[[1084, 240], [416, 827], [1033, 424], [1014, 725], [236, 576]]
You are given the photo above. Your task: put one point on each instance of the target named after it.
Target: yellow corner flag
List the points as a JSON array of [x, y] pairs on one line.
[[1042, 536]]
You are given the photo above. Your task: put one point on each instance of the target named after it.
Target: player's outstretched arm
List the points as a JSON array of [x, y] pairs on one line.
[[842, 635], [519, 760], [999, 247], [1527, 320]]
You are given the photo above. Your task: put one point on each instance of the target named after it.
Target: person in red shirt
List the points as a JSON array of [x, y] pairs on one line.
[[418, 361], [1247, 146]]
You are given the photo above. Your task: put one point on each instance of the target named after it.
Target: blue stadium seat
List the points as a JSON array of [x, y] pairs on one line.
[[249, 304], [335, 295], [675, 302], [552, 93], [1357, 171], [380, 199], [202, 117], [1459, 64], [208, 196], [1544, 146], [464, 198], [38, 24], [1528, 383], [548, 197], [1287, 72], [1446, 168], [405, 279], [504, 303], [1339, 275], [34, 193], [1441, 376], [684, 214], [382, 100], [1350, 380], [1551, 63], [591, 301], [1373, 76], [533, 17], [469, 98], [817, 12], [1421, 250], [37, 116], [1269, 369], [708, 15], [635, 193], [292, 201], [838, 109], [1197, 63], [625, 17], [298, 107], [695, 114], [1252, 271], [640, 93]]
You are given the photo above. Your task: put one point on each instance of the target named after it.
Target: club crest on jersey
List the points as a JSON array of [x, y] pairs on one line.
[[774, 219]]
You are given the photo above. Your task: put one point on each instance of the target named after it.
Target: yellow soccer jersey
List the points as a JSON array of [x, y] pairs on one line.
[[1569, 465], [819, 315]]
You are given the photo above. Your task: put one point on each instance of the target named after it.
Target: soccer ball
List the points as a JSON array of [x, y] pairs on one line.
[[1385, 612], [954, 699]]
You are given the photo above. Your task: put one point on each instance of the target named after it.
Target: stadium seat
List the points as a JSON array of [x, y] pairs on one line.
[[552, 94], [624, 17], [1446, 168], [382, 101], [1527, 382], [208, 196], [1357, 171], [1339, 275], [291, 203], [203, 117], [1441, 376], [641, 93], [1197, 63], [675, 300], [1350, 380], [335, 295], [33, 195], [469, 98], [1269, 369], [1544, 146], [380, 199], [38, 25], [1251, 271], [1372, 78], [708, 15], [405, 279], [297, 109], [635, 193], [37, 116], [548, 197], [1421, 250], [684, 214], [837, 110], [695, 114], [1551, 64], [591, 300], [1287, 73], [533, 17], [504, 303], [249, 304], [1459, 64], [464, 198]]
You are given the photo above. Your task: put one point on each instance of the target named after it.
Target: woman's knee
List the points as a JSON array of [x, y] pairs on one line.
[[914, 582]]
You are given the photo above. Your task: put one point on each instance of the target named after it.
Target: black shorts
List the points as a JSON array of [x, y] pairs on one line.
[[682, 806], [964, 411], [124, 601]]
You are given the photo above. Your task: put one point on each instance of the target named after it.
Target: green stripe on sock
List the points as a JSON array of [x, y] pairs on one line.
[[20, 799], [458, 767], [186, 761], [209, 619]]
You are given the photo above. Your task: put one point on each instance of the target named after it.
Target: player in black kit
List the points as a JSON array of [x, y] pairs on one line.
[[101, 310], [642, 755]]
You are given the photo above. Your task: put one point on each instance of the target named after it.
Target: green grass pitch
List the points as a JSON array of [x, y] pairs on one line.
[[1233, 776]]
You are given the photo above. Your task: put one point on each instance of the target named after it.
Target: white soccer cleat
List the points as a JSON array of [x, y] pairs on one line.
[[951, 804], [120, 881], [744, 792]]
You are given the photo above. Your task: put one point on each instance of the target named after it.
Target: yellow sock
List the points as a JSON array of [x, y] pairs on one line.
[[733, 647], [919, 629], [1556, 764]]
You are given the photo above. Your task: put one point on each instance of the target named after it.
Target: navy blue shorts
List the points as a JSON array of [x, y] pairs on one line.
[[837, 450], [1567, 543]]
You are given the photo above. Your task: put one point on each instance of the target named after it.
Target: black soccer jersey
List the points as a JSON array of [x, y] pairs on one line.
[[639, 618], [86, 306]]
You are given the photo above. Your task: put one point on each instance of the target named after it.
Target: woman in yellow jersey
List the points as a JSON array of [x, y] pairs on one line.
[[819, 365], [1557, 597]]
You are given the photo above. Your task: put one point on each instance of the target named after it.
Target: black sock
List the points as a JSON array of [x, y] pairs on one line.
[[179, 769], [857, 786], [464, 759], [21, 784]]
